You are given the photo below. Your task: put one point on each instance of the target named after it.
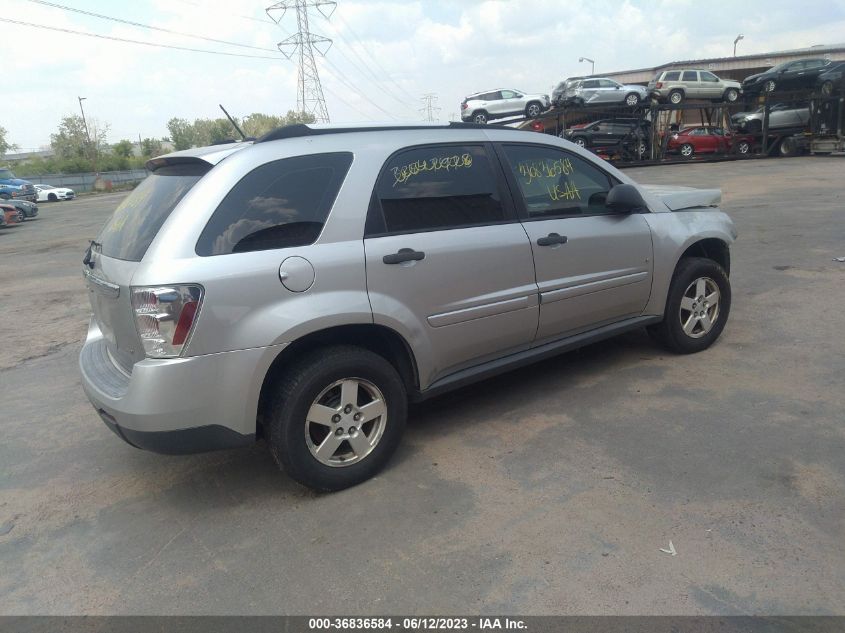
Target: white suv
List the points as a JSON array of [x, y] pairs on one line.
[[496, 104]]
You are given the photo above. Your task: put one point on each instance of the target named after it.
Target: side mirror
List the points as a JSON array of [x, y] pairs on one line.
[[625, 198]]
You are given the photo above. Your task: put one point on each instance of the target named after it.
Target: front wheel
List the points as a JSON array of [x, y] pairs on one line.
[[533, 110], [52, 197], [580, 141], [697, 306], [827, 88], [336, 417], [632, 99], [731, 95], [687, 150], [769, 86], [743, 147]]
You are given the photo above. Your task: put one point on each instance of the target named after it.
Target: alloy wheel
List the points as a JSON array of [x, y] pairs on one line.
[[686, 150], [533, 110], [632, 100], [699, 309], [345, 422]]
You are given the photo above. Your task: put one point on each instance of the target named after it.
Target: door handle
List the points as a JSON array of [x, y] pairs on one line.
[[404, 255], [551, 239]]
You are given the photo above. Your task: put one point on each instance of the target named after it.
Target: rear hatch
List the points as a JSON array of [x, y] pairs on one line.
[[116, 253]]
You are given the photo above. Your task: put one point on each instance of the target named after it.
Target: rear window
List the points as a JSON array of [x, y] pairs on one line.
[[135, 223], [278, 205]]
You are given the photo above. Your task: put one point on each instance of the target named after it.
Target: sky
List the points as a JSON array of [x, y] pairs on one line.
[[385, 54]]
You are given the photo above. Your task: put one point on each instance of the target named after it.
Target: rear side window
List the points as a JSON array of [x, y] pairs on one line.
[[278, 205], [690, 75], [672, 76], [137, 220], [436, 187]]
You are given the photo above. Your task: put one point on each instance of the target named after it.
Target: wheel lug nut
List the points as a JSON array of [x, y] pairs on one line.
[[347, 408], [357, 417], [339, 431], [352, 430], [335, 418]]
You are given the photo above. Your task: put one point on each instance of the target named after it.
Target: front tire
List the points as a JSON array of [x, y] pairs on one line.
[[632, 99], [687, 150], [52, 197], [580, 141], [731, 95], [769, 86], [336, 417], [697, 307], [743, 148], [827, 88]]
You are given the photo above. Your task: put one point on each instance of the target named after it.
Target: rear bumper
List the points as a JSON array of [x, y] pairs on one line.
[[177, 405]]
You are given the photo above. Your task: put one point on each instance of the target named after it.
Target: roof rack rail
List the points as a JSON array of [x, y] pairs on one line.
[[301, 129]]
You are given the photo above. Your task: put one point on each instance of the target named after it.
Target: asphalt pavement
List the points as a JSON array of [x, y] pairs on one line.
[[549, 490]]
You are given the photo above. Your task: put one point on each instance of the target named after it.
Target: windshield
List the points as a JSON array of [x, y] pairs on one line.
[[6, 174], [135, 223]]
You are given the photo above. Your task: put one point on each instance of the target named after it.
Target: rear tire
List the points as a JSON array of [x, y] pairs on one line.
[[682, 330], [316, 384], [480, 117], [676, 97]]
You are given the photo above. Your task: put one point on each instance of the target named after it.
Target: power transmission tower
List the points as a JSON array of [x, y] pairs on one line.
[[309, 95], [429, 110]]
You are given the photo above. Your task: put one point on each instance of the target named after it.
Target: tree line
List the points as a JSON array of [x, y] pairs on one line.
[[78, 150]]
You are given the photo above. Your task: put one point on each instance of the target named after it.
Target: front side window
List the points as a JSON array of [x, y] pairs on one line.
[[592, 83], [690, 75], [555, 183], [606, 83], [278, 205], [437, 187], [709, 77], [508, 94]]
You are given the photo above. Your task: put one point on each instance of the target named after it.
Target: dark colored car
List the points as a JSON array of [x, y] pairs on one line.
[[28, 209], [703, 139], [797, 75], [832, 79], [611, 132], [781, 116]]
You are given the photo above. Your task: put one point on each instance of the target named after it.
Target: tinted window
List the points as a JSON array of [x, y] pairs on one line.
[[672, 76], [554, 183], [592, 83], [690, 75], [278, 205], [491, 96], [814, 63], [438, 187], [709, 77], [135, 223]]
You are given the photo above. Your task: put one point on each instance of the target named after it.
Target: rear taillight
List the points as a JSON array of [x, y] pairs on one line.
[[165, 317], [464, 105], [658, 85]]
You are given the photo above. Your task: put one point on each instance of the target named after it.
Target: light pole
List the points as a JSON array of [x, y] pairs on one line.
[[738, 37], [91, 149], [592, 64]]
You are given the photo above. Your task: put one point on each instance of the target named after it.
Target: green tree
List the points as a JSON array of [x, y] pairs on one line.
[[123, 148], [151, 147], [181, 133], [5, 145], [72, 141]]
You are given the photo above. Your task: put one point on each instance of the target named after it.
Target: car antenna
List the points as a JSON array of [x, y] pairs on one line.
[[232, 121]]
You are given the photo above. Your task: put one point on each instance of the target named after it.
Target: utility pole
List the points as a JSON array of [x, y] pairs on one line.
[[309, 94], [91, 148], [592, 64], [429, 110], [736, 41]]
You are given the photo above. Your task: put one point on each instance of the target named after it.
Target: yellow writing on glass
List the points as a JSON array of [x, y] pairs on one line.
[[406, 172], [532, 170], [568, 192]]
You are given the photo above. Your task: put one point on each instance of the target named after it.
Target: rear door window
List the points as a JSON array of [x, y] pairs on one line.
[[436, 187], [690, 75], [135, 223], [278, 205]]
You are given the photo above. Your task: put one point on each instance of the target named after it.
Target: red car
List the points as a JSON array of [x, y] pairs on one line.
[[10, 214], [705, 139]]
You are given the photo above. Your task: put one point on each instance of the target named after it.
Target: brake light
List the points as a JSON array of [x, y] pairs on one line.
[[659, 85], [165, 317], [464, 105]]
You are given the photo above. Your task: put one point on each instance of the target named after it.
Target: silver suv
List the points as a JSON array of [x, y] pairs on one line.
[[496, 104], [304, 288], [602, 91], [676, 85]]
